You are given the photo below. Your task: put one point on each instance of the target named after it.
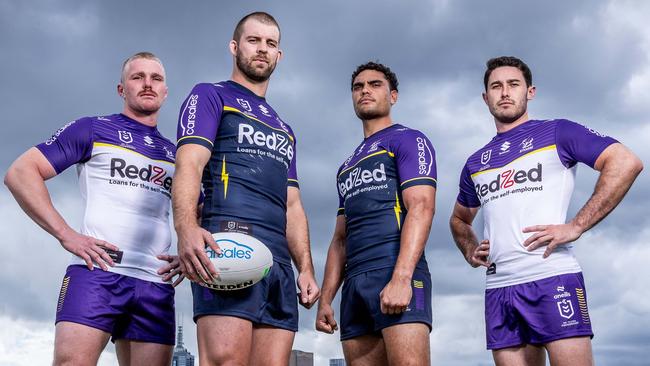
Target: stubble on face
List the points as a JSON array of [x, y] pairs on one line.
[[247, 67]]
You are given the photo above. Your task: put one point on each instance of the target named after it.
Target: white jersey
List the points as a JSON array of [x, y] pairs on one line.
[[125, 174], [525, 177]]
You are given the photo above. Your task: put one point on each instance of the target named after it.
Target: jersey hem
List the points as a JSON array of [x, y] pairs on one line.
[[532, 278]]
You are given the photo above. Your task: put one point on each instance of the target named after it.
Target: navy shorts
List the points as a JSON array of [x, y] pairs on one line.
[[125, 307], [273, 301], [360, 306], [537, 312]]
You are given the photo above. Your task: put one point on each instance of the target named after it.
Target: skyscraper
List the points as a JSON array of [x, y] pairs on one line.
[[337, 362], [300, 358], [181, 357]]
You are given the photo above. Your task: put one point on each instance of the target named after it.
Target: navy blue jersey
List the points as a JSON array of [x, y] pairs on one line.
[[370, 184], [253, 161]]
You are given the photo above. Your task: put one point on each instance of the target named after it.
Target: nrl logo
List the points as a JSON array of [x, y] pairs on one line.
[[125, 137], [566, 308], [485, 156]]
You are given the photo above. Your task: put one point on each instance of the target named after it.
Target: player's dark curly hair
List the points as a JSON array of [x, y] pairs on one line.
[[390, 76], [493, 63]]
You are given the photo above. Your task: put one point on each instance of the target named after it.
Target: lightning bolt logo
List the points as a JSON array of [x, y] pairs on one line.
[[224, 178], [398, 210]]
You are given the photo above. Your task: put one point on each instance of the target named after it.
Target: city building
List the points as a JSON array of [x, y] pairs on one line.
[[337, 362], [300, 358], [181, 357]]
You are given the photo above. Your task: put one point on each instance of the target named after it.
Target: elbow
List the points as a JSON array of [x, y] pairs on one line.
[[11, 178]]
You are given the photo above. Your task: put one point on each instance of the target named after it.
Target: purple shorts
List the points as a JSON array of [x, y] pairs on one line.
[[537, 312], [125, 307]]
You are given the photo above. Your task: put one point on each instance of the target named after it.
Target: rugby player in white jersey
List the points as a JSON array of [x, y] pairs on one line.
[[535, 299], [118, 283]]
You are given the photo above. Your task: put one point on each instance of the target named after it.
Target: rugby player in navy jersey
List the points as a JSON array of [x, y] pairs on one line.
[[125, 169], [386, 193], [232, 142], [535, 299]]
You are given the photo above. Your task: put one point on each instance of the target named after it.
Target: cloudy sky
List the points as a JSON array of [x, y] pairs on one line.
[[60, 60]]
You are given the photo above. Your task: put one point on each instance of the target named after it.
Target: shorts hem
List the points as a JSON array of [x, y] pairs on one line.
[[145, 339], [246, 316], [498, 346], [83, 322], [406, 321], [563, 336]]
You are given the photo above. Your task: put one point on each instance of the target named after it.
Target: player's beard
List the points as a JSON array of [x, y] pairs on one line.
[[509, 116], [251, 72]]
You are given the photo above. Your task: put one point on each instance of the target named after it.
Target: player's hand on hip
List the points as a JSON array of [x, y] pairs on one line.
[[325, 321], [479, 257], [550, 235], [309, 291], [194, 262], [171, 268], [91, 250], [396, 296]]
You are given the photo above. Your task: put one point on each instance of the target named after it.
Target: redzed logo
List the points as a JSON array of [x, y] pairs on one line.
[[509, 178]]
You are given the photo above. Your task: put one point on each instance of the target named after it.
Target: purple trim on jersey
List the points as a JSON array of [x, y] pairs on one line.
[[577, 143], [199, 118], [69, 145], [574, 143], [73, 143]]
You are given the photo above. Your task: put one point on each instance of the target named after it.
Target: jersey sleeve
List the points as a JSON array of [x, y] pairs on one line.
[[292, 175], [199, 117], [416, 160], [466, 194], [577, 143], [70, 144]]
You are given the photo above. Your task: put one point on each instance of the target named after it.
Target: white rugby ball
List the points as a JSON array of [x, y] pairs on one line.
[[244, 261]]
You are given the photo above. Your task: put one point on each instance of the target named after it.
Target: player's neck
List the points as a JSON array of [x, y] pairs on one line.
[[505, 127], [150, 120], [372, 126], [259, 88]]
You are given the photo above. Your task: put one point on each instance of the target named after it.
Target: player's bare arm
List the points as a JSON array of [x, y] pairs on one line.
[[26, 180], [192, 239], [460, 223], [420, 203], [334, 271], [299, 248], [618, 168]]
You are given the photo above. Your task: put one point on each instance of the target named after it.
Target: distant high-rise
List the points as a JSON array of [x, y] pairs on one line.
[[337, 362], [181, 357], [300, 358]]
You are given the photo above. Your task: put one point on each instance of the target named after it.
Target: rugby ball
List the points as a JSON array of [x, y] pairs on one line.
[[244, 261]]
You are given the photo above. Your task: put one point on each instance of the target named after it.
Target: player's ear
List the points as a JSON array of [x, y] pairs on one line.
[[120, 90], [393, 96], [280, 53], [485, 98], [232, 46], [531, 92]]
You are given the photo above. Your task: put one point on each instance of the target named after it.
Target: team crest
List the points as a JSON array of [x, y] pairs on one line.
[[526, 144], [485, 156], [244, 103], [566, 308], [125, 137], [168, 153], [374, 146]]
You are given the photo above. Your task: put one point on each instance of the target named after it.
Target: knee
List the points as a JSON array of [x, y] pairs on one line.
[[224, 357]]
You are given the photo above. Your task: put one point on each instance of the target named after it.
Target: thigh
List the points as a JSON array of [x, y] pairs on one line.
[[78, 344], [526, 355], [224, 340], [150, 317], [143, 353], [367, 350], [407, 344], [280, 299], [271, 346], [570, 352], [355, 314]]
